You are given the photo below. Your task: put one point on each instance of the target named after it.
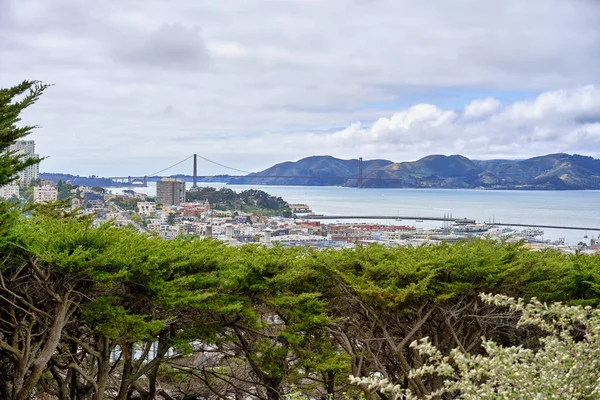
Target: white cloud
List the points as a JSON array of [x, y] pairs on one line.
[[253, 83], [481, 107], [564, 120], [425, 129]]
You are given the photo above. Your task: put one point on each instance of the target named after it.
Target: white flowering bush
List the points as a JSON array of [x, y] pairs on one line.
[[565, 366]]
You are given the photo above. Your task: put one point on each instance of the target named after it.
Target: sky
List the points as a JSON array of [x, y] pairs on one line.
[[139, 85]]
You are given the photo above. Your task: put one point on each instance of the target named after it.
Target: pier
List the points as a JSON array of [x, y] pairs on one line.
[[455, 220]]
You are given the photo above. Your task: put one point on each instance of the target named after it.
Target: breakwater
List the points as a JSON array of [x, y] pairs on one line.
[[445, 219]]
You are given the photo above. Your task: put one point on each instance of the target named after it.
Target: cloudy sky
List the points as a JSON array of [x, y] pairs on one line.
[[142, 84]]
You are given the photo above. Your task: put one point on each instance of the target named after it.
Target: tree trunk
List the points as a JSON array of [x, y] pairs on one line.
[[127, 351], [72, 375], [103, 367], [273, 386], [329, 384], [23, 390]]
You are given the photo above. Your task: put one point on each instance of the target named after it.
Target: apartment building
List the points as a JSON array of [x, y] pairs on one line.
[[8, 191], [146, 208], [44, 194], [170, 191], [26, 150]]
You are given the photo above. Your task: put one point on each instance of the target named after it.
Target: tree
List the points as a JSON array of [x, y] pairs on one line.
[[12, 102], [98, 189], [384, 299], [104, 311]]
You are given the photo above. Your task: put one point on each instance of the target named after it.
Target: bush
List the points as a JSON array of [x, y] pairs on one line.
[[565, 366]]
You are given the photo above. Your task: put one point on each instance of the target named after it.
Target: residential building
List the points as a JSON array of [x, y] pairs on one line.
[[44, 194], [93, 196], [76, 203], [26, 150], [170, 192], [193, 210], [8, 191], [146, 208]]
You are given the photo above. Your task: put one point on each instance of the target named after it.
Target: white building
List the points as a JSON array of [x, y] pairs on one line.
[[146, 208], [26, 150], [8, 191], [44, 194]]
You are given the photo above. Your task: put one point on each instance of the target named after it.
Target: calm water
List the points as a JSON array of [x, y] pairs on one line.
[[565, 208]]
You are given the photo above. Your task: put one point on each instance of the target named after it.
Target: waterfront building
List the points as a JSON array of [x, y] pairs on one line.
[[170, 192], [299, 208], [25, 149], [44, 194]]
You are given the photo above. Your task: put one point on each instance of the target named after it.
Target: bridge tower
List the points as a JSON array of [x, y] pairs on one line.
[[195, 184], [359, 184]]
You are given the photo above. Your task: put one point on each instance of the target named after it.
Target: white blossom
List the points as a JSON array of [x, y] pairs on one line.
[[564, 367]]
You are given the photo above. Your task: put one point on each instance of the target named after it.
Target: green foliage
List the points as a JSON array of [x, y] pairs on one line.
[[9, 214], [171, 218], [98, 189], [126, 202], [116, 322], [251, 201], [270, 318], [64, 190], [136, 218]]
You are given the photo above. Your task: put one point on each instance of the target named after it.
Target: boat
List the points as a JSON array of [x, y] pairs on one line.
[[531, 233], [470, 228], [418, 220]]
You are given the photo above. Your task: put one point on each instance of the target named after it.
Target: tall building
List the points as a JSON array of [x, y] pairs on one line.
[[26, 150], [170, 192]]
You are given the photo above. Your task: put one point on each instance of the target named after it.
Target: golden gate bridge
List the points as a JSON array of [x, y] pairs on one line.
[[142, 181]]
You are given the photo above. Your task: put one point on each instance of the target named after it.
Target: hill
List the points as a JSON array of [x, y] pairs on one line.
[[549, 172], [312, 171]]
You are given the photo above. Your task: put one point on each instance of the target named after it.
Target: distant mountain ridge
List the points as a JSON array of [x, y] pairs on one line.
[[549, 172], [312, 171]]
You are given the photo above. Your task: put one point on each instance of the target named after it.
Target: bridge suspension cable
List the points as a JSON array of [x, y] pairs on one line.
[[205, 159], [174, 165], [224, 166]]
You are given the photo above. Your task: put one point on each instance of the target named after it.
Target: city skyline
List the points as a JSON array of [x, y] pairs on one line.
[[256, 83]]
